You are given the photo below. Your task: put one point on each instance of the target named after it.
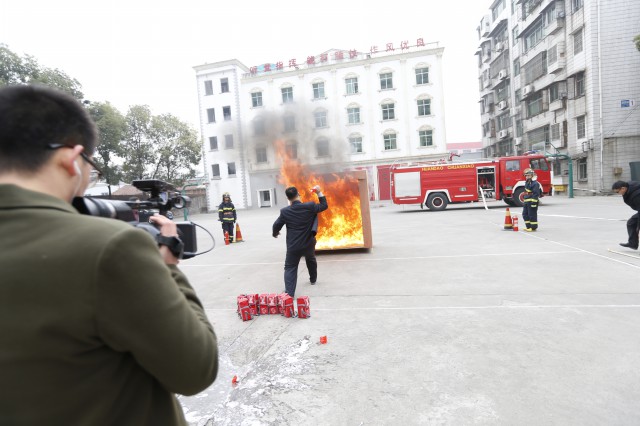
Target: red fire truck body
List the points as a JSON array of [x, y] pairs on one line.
[[437, 185]]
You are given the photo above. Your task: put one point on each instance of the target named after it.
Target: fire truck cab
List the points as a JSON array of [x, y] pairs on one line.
[[437, 185]]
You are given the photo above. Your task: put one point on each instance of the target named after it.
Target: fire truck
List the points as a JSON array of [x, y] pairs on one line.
[[437, 185]]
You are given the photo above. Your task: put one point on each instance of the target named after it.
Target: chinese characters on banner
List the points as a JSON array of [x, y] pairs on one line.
[[336, 56]]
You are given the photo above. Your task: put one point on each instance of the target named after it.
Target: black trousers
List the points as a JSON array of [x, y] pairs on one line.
[[228, 227], [633, 224], [530, 215], [291, 267]]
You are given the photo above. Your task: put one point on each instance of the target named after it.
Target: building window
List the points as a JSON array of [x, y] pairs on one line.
[[224, 85], [534, 104], [388, 111], [231, 168], [576, 4], [516, 67], [287, 95], [213, 143], [582, 169], [577, 42], [228, 141], [256, 99], [422, 75], [515, 32], [322, 147], [581, 127], [354, 115], [390, 141], [555, 132], [355, 143], [554, 92], [208, 88], [426, 137], [226, 113], [512, 165], [320, 118], [258, 127], [211, 115], [215, 171], [292, 150], [424, 107], [261, 154], [289, 123], [352, 85], [580, 84], [534, 35], [318, 90], [386, 81]]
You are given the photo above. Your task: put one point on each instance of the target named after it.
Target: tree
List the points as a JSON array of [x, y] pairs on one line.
[[112, 127], [137, 145], [177, 149], [26, 70]]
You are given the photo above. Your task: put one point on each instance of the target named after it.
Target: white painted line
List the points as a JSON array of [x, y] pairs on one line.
[[377, 259]]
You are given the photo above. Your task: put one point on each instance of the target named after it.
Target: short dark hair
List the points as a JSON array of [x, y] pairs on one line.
[[33, 117], [620, 184], [291, 192]]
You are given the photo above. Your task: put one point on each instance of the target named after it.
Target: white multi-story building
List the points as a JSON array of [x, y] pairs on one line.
[[563, 76], [341, 110]]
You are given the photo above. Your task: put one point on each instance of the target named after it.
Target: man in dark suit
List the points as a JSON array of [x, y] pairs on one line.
[[302, 225], [630, 192], [97, 323]]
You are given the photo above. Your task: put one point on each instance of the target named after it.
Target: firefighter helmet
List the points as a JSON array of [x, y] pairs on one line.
[[528, 172], [226, 195]]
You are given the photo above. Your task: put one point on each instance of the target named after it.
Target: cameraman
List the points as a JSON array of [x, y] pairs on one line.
[[97, 326]]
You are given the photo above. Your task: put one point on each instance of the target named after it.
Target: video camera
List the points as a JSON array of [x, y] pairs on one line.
[[163, 197]]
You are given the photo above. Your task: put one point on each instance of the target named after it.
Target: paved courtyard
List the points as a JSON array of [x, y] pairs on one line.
[[448, 319]]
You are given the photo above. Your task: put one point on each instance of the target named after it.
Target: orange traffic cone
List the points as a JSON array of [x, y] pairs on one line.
[[226, 238], [238, 234], [508, 225], [515, 223]]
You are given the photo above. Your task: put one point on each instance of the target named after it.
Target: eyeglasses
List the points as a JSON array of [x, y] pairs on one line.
[[96, 173]]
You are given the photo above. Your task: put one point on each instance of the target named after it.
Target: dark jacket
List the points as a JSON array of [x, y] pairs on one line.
[[532, 191], [95, 329], [301, 221], [227, 212], [632, 196]]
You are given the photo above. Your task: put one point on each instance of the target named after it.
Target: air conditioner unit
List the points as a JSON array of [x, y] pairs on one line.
[[502, 74], [560, 14], [503, 134], [527, 90], [518, 141], [499, 47], [502, 105]]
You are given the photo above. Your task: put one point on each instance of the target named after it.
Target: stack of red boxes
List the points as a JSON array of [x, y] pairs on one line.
[[262, 304], [244, 311], [250, 305], [303, 307]]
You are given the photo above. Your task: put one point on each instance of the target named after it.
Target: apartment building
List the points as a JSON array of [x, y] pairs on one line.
[[561, 76], [340, 110]]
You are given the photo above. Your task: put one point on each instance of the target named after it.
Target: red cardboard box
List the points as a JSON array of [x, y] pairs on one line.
[[303, 307], [287, 306], [263, 308], [272, 302], [253, 304], [243, 308]]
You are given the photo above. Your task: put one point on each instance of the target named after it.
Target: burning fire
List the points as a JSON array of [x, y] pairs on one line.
[[340, 226]]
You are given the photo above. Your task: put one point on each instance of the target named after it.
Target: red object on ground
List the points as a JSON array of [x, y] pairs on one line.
[[244, 311], [226, 238], [303, 307], [323, 340], [262, 304], [515, 223], [234, 381]]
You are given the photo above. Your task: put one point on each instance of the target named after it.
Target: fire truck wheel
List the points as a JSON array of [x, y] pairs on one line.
[[518, 197], [437, 201]]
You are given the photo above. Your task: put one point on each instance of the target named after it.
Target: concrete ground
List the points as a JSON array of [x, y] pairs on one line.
[[449, 320]]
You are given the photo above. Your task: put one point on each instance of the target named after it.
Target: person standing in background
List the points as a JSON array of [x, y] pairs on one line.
[[227, 215]]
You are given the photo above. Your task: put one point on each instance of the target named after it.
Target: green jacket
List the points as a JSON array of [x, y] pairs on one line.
[[95, 329]]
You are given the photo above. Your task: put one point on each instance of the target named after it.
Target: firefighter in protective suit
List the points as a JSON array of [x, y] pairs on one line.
[[227, 215], [532, 194]]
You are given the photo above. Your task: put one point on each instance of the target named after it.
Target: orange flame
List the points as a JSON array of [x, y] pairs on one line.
[[340, 226]]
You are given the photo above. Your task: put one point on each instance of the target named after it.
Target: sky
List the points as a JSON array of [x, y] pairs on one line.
[[142, 52]]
